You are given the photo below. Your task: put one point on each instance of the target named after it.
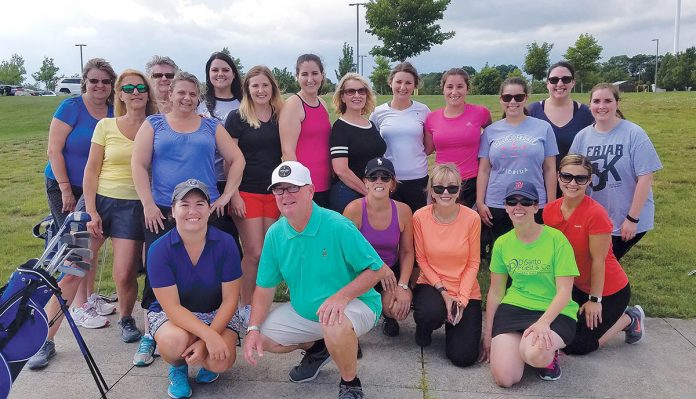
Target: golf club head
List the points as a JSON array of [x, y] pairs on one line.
[[72, 270], [78, 239], [77, 221]]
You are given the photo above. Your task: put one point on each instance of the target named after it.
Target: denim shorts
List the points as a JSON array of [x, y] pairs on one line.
[[121, 218]]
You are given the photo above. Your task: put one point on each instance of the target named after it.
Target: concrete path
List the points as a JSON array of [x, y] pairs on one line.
[[662, 365]]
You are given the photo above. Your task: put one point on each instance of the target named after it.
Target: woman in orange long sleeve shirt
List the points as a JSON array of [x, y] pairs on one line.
[[447, 240]]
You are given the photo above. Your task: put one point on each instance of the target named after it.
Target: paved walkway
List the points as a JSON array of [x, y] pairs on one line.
[[663, 365]]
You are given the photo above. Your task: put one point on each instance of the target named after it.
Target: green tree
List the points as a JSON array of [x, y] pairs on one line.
[[515, 73], [237, 61], [380, 75], [505, 70], [345, 62], [286, 80], [47, 74], [642, 67], [676, 71], [537, 62], [406, 27], [469, 69], [12, 71], [430, 83], [486, 81], [616, 69], [584, 56]]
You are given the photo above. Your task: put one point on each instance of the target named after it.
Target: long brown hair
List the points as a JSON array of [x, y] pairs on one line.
[[614, 92]]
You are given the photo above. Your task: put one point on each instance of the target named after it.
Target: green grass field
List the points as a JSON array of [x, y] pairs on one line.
[[657, 267]]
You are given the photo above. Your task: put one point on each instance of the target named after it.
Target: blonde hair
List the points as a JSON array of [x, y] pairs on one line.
[[246, 106], [120, 106], [370, 100], [576, 159], [440, 172]]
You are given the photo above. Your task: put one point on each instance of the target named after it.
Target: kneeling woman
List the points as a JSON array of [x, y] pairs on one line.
[[535, 317], [194, 271], [602, 289], [447, 236]]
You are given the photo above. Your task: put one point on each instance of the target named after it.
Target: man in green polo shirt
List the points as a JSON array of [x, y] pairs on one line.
[[330, 270]]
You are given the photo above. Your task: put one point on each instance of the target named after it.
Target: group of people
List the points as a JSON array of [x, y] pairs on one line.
[[193, 185]]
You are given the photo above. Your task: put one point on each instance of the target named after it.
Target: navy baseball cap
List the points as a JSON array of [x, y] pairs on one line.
[[522, 188], [379, 164]]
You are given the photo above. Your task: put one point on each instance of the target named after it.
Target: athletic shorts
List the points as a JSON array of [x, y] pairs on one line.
[[121, 218], [260, 205], [157, 319], [286, 327], [510, 318]]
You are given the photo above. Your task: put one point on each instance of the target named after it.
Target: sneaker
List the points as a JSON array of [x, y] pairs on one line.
[[350, 392], [244, 315], [636, 330], [206, 376], [178, 382], [390, 327], [41, 358], [129, 330], [424, 337], [314, 359], [144, 356], [552, 372], [102, 307], [86, 316]]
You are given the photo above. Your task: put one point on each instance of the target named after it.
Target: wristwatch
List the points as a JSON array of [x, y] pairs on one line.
[[632, 219], [404, 286], [441, 289], [253, 328], [596, 299]]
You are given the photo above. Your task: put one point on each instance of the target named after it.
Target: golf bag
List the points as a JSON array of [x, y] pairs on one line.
[[23, 322]]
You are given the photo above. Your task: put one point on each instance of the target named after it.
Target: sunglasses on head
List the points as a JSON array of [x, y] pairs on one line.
[[513, 201], [96, 81], [568, 177], [351, 92], [508, 97], [159, 75], [441, 189], [142, 88], [565, 79], [383, 178]]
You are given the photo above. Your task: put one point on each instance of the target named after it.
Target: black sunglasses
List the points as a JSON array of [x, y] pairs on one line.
[[579, 179], [166, 75], [384, 178], [351, 92], [441, 189], [565, 79], [96, 81], [513, 201], [508, 97], [142, 88]]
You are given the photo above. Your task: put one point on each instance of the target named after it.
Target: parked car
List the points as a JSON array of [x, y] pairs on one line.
[[9, 90], [21, 91], [46, 93], [69, 86]]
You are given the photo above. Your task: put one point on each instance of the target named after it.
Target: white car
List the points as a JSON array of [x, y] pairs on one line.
[[68, 86]]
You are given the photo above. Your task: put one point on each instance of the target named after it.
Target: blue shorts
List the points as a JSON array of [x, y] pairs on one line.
[[121, 218]]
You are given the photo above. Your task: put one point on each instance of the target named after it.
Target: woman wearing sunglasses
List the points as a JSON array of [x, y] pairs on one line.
[[455, 131], [400, 121], [528, 322], [624, 161], [354, 140], [515, 148], [447, 239], [254, 127], [69, 138], [567, 117], [161, 70], [387, 225], [602, 289]]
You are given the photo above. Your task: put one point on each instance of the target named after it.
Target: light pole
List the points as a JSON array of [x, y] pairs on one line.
[[362, 66], [82, 64], [657, 52], [357, 32]]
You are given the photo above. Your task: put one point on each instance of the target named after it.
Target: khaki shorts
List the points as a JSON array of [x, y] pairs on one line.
[[286, 327]]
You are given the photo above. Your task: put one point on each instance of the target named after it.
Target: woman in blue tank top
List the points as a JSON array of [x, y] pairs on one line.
[[387, 225]]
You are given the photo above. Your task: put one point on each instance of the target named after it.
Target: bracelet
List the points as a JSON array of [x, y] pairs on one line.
[[253, 328], [63, 182], [441, 289], [632, 219]]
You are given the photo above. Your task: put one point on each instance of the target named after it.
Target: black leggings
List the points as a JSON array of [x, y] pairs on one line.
[[461, 341], [412, 193], [613, 307], [621, 247]]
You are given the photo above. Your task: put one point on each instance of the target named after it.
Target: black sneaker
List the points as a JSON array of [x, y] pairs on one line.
[[314, 359], [129, 331], [552, 372], [350, 392], [636, 330], [390, 327], [423, 337]]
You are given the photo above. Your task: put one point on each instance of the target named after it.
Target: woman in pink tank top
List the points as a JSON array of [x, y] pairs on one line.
[[305, 126]]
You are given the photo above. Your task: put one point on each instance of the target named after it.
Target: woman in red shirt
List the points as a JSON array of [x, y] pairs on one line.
[[602, 289]]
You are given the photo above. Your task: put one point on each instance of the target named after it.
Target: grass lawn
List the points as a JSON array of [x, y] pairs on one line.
[[657, 267]]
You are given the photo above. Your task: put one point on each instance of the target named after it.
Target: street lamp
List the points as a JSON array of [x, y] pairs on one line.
[[362, 65], [657, 52], [82, 64], [357, 32]]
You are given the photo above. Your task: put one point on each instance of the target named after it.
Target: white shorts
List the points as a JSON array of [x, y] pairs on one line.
[[286, 327]]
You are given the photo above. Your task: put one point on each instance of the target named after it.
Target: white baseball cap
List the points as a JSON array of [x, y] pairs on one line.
[[291, 172]]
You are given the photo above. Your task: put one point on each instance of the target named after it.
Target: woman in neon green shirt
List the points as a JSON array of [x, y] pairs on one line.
[[531, 320]]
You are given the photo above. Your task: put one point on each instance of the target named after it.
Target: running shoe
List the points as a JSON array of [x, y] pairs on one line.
[[86, 316], [102, 307], [206, 376], [636, 330], [390, 327], [314, 359], [178, 382], [350, 392], [552, 372], [144, 355], [41, 358], [129, 330]]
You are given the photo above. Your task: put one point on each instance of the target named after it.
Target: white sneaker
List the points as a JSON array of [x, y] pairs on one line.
[[102, 307], [87, 317]]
